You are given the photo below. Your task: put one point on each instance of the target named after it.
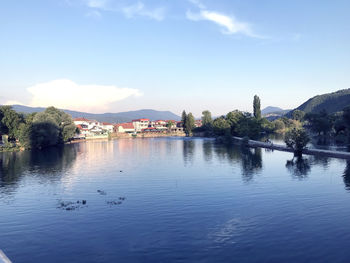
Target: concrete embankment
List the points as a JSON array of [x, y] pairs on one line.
[[278, 147]]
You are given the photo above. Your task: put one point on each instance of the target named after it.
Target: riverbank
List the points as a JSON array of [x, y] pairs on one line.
[[278, 147]]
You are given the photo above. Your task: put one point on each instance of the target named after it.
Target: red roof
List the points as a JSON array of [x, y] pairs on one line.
[[127, 125], [81, 128], [106, 123]]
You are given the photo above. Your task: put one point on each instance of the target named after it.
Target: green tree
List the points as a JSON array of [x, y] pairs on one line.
[[321, 123], [256, 107], [189, 124], [233, 118], [169, 125], [183, 119], [279, 125], [47, 128], [221, 126], [10, 122], [298, 115], [207, 120], [297, 139], [62, 120]]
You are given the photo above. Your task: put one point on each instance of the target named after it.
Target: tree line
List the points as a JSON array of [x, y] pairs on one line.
[[37, 130], [237, 123]]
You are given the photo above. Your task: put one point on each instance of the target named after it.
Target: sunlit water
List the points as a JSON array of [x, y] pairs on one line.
[[186, 200]]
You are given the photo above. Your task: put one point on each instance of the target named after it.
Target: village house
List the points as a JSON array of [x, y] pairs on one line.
[[140, 124], [124, 127], [89, 127], [109, 127]]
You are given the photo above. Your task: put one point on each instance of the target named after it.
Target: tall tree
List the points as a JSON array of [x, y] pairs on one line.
[[183, 118], [207, 120], [189, 124], [256, 107]]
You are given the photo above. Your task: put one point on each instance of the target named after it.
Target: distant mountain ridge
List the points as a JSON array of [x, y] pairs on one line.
[[331, 102], [272, 109], [272, 113], [109, 117]]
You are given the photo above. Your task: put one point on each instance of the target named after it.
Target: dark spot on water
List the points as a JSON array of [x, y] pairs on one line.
[[69, 205], [114, 202], [122, 198], [101, 192]]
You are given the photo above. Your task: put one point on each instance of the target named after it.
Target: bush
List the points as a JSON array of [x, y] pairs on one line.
[[297, 139]]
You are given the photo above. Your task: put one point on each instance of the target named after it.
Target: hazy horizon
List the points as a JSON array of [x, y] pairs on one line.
[[113, 56]]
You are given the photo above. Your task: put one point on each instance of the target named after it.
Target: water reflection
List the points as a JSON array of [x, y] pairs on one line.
[[251, 163], [208, 151], [188, 151], [45, 163], [249, 159], [346, 176], [299, 167]]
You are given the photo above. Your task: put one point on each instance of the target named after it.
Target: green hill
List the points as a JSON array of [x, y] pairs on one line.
[[331, 102]]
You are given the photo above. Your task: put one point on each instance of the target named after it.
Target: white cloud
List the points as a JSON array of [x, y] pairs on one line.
[[129, 10], [229, 24], [102, 4], [139, 9], [66, 94]]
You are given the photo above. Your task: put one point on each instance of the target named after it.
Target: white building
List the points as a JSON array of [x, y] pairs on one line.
[[124, 127], [140, 124], [107, 126]]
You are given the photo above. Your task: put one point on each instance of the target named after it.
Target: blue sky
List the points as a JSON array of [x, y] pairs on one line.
[[118, 55]]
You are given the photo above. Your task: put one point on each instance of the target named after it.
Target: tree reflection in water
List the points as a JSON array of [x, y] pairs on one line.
[[346, 176], [208, 150], [251, 163], [299, 167], [188, 151], [47, 163], [249, 159]]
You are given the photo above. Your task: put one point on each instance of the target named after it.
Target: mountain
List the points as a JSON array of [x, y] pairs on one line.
[[110, 117], [272, 113], [271, 109], [331, 102]]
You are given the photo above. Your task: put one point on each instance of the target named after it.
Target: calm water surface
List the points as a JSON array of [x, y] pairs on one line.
[[186, 200]]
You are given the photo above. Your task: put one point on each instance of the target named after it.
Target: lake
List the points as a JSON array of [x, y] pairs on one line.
[[172, 200]]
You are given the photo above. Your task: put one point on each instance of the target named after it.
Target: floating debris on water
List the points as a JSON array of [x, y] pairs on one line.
[[113, 202], [101, 192], [122, 198], [69, 205]]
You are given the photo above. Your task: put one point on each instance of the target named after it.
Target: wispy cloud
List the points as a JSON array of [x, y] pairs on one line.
[[229, 24], [102, 4], [66, 94], [139, 9], [130, 10]]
